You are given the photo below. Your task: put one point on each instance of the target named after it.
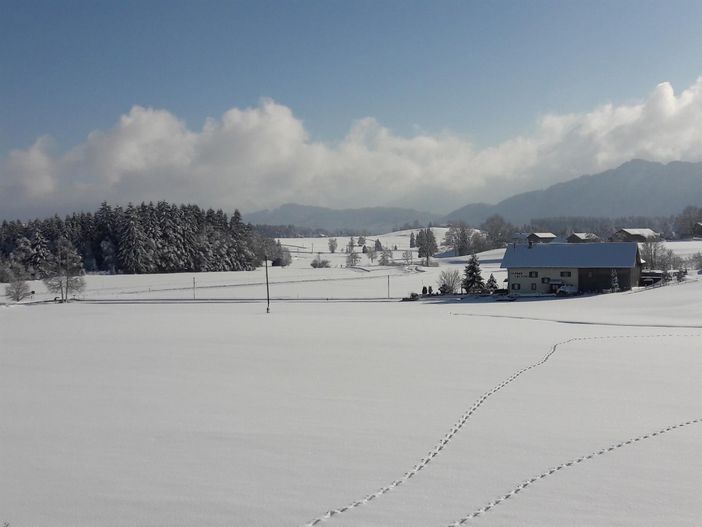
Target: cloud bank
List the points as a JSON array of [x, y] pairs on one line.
[[262, 157]]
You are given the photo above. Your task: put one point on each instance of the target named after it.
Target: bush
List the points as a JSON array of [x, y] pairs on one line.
[[318, 263]]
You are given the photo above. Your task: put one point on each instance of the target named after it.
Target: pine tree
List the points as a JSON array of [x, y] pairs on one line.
[[413, 242], [385, 257], [132, 254], [22, 255], [491, 284], [378, 245], [426, 243], [473, 280], [40, 255]]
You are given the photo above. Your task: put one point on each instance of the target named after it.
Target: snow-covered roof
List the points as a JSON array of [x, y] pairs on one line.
[[585, 235], [543, 234], [573, 255], [646, 233]]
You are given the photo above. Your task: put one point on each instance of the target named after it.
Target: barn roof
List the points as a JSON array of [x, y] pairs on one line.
[[573, 255], [543, 234], [646, 233], [585, 236]]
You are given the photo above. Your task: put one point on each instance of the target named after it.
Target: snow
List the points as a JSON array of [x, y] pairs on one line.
[[218, 414]]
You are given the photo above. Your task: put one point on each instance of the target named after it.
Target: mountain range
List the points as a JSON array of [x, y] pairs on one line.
[[636, 188]]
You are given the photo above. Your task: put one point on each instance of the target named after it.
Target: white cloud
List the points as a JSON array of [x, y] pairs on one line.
[[261, 157]]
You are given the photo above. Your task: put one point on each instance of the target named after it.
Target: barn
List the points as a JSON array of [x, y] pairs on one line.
[[635, 235], [541, 237], [583, 237], [543, 268]]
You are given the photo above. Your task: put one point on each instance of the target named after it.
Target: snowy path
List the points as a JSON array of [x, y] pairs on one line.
[[464, 419], [551, 471]]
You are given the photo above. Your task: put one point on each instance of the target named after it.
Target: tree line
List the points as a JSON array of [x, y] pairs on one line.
[[137, 239]]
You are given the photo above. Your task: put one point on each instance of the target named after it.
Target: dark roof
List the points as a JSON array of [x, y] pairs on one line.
[[574, 255]]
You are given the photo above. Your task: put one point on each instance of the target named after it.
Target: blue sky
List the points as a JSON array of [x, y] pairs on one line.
[[481, 69], [485, 72]]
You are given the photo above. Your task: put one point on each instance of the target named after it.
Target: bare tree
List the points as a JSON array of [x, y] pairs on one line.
[[407, 256], [65, 271], [385, 257], [449, 281], [371, 254], [352, 259], [17, 290]]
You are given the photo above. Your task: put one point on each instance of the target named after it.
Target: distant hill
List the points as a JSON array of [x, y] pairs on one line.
[[372, 219], [636, 188]]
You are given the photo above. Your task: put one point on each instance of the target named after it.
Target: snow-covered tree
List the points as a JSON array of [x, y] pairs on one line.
[[352, 259], [412, 242], [473, 280], [491, 284], [65, 271], [133, 251], [385, 257], [40, 255], [332, 245], [378, 245]]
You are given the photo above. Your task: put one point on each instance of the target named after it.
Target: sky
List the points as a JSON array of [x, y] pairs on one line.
[[250, 105]]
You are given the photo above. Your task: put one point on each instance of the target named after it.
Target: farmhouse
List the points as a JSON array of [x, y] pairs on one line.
[[585, 267], [583, 237], [541, 237], [635, 235]]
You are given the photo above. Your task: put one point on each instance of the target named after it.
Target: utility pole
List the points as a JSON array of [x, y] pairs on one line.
[[388, 286], [268, 293], [193, 288]]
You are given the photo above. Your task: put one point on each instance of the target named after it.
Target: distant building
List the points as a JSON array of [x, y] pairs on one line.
[[585, 267], [582, 237], [697, 230], [635, 235], [541, 237]]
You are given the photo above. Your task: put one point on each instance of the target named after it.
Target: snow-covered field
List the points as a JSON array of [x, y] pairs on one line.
[[218, 414]]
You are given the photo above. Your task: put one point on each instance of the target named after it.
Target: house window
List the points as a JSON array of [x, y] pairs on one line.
[[533, 287], [516, 286], [533, 274], [545, 280], [565, 274]]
